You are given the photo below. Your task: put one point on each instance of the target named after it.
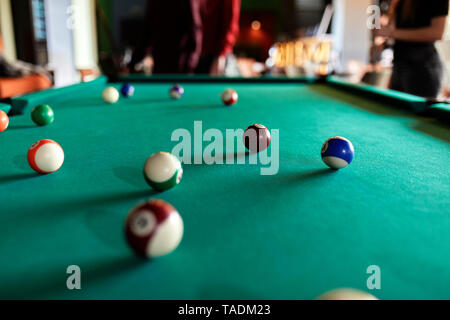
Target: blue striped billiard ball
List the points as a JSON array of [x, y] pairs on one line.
[[176, 92], [127, 90], [337, 152]]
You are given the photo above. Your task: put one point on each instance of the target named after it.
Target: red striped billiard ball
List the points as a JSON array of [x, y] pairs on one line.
[[257, 138], [154, 228], [45, 156], [229, 97], [4, 121]]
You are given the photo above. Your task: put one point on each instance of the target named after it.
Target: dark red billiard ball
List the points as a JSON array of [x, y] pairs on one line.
[[257, 138], [229, 97], [154, 228]]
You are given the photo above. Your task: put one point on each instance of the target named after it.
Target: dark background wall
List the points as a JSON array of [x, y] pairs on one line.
[[280, 20]]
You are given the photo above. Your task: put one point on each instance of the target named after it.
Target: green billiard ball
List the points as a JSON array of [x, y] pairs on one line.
[[42, 115], [163, 171]]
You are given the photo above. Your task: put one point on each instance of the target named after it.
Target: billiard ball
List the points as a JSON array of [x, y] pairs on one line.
[[346, 294], [176, 92], [110, 95], [4, 121], [163, 171], [257, 138], [229, 97], [337, 152], [127, 90], [154, 228], [42, 115], [45, 156]]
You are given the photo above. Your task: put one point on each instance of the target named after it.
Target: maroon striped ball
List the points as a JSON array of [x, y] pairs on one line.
[[230, 97], [257, 138], [154, 228]]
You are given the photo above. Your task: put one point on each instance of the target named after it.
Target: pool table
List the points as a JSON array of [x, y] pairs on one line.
[[291, 235]]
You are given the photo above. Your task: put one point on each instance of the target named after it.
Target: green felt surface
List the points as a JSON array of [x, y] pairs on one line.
[[441, 109], [289, 236], [408, 101], [5, 107], [26, 102]]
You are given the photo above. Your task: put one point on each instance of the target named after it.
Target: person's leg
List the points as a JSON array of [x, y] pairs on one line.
[[399, 74], [204, 65], [427, 78], [420, 74]]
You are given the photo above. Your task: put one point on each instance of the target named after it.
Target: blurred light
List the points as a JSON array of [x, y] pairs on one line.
[[256, 25], [270, 63], [387, 56], [258, 67], [272, 51]]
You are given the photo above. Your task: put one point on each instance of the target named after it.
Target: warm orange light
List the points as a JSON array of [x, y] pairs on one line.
[[256, 25]]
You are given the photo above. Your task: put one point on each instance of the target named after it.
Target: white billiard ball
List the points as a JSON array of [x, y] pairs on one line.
[[346, 294], [45, 156], [154, 228], [111, 95], [163, 171]]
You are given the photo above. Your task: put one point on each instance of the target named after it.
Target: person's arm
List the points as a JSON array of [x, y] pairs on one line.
[[433, 33], [231, 15], [144, 48], [192, 48]]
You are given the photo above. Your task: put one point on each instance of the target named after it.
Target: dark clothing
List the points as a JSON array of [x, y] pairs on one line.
[[417, 66], [423, 11], [420, 75], [179, 32], [220, 26], [204, 64], [171, 35]]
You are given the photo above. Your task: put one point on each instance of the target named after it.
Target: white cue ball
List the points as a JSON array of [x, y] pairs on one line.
[[111, 95]]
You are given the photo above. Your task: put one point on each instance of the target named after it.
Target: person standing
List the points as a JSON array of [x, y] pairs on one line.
[[189, 36], [416, 25]]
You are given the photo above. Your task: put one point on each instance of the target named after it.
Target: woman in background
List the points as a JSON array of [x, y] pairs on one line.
[[189, 36], [416, 25]]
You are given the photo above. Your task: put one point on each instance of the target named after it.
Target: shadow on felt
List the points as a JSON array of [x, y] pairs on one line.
[[236, 156], [429, 126], [17, 177], [131, 175], [63, 208], [51, 282], [22, 127], [309, 175], [361, 102], [433, 128]]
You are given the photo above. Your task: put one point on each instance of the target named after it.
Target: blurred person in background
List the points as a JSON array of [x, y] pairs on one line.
[[416, 25], [20, 69], [189, 36]]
